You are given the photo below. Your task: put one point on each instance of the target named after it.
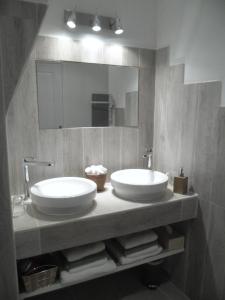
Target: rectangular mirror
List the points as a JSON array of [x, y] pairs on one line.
[[72, 94]]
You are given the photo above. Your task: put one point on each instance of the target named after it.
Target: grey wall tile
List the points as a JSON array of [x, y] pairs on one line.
[[129, 148], [73, 152], [47, 48], [188, 132], [93, 146], [204, 158], [196, 243], [96, 145], [112, 149], [218, 187], [146, 110], [214, 272], [50, 148], [21, 112]]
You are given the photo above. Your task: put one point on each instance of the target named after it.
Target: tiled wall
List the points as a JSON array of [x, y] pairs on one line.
[[19, 23], [189, 132], [73, 149]]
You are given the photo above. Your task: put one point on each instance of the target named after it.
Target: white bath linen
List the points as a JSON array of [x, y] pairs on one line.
[[139, 255], [137, 239], [77, 253], [96, 263], [86, 274]]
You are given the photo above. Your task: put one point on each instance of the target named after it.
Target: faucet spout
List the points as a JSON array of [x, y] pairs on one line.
[[30, 161], [148, 155]]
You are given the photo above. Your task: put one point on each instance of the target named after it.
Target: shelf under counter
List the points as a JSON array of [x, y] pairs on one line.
[[110, 217], [59, 285]]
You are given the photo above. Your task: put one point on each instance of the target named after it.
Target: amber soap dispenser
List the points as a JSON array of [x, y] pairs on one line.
[[180, 184]]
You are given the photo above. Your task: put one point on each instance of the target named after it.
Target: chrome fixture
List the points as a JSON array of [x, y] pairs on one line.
[[74, 18], [96, 26], [117, 27], [71, 20], [148, 155], [30, 161]]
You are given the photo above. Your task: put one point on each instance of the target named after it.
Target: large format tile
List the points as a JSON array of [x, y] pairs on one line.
[[73, 152], [50, 148], [129, 148], [204, 158], [146, 110], [21, 112], [112, 149], [188, 131], [214, 272], [197, 239], [218, 186], [93, 146]]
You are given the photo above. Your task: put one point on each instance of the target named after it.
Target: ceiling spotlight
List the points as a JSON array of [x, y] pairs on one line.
[[96, 26], [118, 27], [71, 21]]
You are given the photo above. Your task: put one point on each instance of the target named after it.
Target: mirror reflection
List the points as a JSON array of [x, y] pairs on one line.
[[74, 94]]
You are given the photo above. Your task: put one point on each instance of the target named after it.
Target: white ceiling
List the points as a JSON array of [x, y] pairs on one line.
[[138, 18]]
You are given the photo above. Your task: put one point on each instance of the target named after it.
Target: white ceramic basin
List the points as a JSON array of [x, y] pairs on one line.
[[139, 184], [63, 195]]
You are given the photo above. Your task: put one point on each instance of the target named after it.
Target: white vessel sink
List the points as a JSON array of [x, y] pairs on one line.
[[63, 195], [139, 184]]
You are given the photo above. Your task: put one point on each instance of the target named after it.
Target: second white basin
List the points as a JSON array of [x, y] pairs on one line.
[[139, 184], [63, 195]]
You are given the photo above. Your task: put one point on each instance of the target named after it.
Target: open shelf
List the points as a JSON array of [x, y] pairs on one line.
[[60, 285]]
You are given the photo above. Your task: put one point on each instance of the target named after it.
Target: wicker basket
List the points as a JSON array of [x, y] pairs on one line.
[[40, 277], [99, 180]]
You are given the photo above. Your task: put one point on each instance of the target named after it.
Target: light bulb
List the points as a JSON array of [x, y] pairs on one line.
[[118, 27], [96, 24], [71, 22]]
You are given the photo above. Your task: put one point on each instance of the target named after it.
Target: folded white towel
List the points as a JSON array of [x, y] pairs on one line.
[[107, 267], [137, 239], [92, 264], [96, 170], [80, 252], [147, 251], [139, 255]]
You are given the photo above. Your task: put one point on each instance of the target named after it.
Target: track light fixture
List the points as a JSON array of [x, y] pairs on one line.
[[71, 21], [118, 27], [96, 26]]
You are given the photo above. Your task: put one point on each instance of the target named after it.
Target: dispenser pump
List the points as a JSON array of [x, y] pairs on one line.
[[180, 184], [181, 172]]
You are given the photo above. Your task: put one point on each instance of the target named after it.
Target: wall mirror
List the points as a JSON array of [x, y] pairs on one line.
[[72, 94]]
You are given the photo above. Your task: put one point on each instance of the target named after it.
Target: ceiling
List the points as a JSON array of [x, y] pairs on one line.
[[138, 19]]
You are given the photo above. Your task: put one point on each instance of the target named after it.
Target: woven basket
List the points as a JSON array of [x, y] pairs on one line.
[[99, 180], [42, 276]]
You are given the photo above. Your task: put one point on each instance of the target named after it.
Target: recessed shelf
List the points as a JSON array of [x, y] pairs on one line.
[[58, 285]]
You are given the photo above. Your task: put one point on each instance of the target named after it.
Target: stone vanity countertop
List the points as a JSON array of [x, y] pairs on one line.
[[110, 216]]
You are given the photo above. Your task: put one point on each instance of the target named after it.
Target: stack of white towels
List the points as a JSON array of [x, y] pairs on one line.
[[136, 246], [85, 261]]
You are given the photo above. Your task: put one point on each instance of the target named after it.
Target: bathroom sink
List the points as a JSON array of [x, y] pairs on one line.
[[63, 195], [139, 184]]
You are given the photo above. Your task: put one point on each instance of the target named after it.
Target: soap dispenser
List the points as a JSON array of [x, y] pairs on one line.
[[180, 184]]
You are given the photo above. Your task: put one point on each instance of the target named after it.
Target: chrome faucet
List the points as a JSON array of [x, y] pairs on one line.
[[30, 161], [148, 156]]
